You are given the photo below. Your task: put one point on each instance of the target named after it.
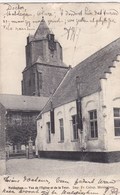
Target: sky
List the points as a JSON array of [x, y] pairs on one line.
[[81, 28]]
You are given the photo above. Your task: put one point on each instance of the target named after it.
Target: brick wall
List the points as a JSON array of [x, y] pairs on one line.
[[52, 72], [33, 51], [29, 80], [40, 48], [51, 77]]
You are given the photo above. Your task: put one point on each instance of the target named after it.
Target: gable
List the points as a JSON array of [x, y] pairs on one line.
[[90, 71]]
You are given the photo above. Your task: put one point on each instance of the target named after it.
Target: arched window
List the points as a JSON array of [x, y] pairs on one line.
[[73, 123], [91, 107], [61, 126]]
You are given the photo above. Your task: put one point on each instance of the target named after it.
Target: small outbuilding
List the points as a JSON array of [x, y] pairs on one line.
[[20, 119]]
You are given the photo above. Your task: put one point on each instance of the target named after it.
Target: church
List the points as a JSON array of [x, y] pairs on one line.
[[43, 73], [77, 109], [44, 63], [81, 120]]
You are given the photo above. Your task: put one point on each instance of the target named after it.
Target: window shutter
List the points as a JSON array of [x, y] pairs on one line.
[[52, 121], [78, 104], [79, 115]]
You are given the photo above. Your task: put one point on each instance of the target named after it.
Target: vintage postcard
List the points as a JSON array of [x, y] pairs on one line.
[[60, 98]]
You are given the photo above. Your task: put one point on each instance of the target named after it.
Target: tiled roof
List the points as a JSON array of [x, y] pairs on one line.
[[89, 71], [21, 102]]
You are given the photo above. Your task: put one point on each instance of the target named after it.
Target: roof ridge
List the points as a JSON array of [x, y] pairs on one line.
[[90, 71], [18, 102], [62, 81], [24, 95], [9, 94]]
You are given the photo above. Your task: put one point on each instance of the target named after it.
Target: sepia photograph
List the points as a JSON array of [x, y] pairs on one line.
[[60, 98]]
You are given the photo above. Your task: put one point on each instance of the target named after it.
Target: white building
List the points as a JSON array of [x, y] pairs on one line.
[[82, 119]]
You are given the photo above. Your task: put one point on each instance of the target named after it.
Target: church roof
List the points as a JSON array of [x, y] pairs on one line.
[[90, 71], [42, 30], [22, 103]]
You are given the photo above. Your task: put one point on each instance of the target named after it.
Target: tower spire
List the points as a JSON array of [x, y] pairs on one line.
[[42, 30]]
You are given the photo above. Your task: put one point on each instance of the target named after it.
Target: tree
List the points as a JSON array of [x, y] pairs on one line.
[[19, 131]]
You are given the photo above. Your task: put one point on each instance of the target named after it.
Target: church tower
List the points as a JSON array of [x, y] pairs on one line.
[[44, 63]]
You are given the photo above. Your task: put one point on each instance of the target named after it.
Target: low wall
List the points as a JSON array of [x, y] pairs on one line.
[[103, 157]]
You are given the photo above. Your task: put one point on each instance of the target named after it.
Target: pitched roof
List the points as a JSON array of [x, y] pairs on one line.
[[89, 71], [42, 30], [23, 103]]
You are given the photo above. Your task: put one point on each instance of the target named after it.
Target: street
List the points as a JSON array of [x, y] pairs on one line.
[[59, 177], [51, 167]]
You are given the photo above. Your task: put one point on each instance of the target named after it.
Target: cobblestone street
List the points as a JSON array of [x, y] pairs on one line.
[[49, 167]]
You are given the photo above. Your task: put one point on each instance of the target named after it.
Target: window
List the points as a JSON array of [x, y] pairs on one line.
[[51, 37], [33, 83], [61, 129], [40, 80], [93, 124], [33, 79], [117, 121], [74, 125], [29, 83], [48, 132], [51, 42]]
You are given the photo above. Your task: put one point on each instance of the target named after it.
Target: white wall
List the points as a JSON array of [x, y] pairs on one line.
[[111, 92], [60, 112], [104, 102], [91, 102]]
